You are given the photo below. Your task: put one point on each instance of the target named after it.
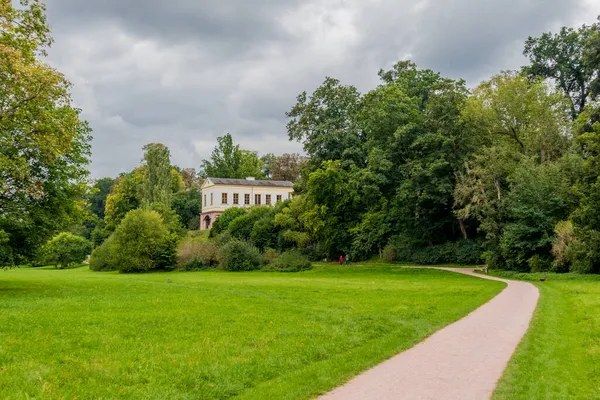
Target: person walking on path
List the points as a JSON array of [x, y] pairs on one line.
[[341, 260]]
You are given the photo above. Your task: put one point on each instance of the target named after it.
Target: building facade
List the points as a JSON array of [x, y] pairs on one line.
[[219, 194]]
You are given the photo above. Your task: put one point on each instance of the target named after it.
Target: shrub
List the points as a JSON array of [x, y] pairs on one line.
[[193, 255], [222, 239], [101, 259], [142, 242], [241, 227], [222, 222], [584, 252], [538, 263], [66, 249], [238, 255], [460, 252], [264, 233], [564, 237], [291, 261], [389, 253], [269, 255]]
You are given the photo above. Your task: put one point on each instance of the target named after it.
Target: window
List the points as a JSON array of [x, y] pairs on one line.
[[246, 199], [223, 198], [279, 198], [268, 199], [211, 199], [257, 199], [236, 198], [204, 200]]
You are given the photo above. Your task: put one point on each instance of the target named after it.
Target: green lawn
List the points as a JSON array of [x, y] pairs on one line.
[[82, 334], [559, 357]]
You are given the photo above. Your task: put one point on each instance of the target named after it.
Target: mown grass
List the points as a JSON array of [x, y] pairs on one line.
[[559, 357], [81, 334]]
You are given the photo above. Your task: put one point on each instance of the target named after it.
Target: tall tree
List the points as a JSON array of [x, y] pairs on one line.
[[560, 57], [98, 195], [44, 145], [229, 161], [158, 178], [287, 167], [325, 123]]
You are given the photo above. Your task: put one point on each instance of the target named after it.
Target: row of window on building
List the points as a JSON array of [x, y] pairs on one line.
[[236, 199]]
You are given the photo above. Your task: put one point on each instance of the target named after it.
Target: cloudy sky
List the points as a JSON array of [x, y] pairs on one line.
[[183, 72]]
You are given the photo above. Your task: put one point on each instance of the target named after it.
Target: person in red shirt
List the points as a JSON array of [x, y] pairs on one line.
[[341, 260]]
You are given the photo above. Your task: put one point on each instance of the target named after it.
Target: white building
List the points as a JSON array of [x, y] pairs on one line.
[[219, 194]]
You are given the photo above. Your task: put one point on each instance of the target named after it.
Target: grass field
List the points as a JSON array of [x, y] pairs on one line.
[[82, 334], [559, 357]]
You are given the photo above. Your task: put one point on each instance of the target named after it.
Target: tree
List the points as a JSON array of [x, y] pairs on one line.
[[187, 204], [287, 167], [229, 161], [44, 145], [66, 249], [142, 242], [325, 123], [97, 198], [126, 195], [592, 58], [158, 177], [190, 178], [560, 57]]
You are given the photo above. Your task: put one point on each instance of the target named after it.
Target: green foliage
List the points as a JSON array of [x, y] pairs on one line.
[[325, 122], [560, 57], [241, 227], [537, 201], [66, 249], [97, 198], [158, 180], [238, 255], [187, 204], [194, 255], [291, 261], [464, 252], [102, 257], [229, 161], [564, 236], [264, 232], [44, 143], [223, 221], [142, 242], [126, 195]]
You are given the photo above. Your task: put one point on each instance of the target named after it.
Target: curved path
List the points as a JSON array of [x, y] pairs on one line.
[[461, 361]]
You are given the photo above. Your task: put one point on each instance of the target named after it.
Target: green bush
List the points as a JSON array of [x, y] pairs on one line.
[[269, 255], [389, 253], [101, 259], [193, 255], [222, 222], [291, 261], [66, 249], [584, 252], [142, 242], [538, 264], [238, 255], [241, 227], [460, 252], [264, 232]]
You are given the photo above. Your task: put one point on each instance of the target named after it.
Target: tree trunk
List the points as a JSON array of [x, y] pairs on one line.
[[462, 229]]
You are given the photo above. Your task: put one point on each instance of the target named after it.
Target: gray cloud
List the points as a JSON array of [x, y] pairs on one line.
[[186, 71]]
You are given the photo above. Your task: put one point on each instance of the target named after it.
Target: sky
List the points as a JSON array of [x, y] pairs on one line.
[[184, 72]]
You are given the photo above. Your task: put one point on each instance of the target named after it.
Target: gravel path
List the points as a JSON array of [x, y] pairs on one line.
[[461, 361]]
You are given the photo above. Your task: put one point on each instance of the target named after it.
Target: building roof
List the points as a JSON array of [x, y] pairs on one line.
[[249, 182]]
